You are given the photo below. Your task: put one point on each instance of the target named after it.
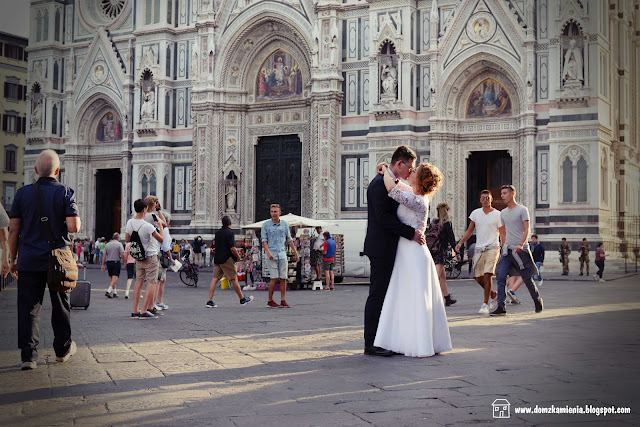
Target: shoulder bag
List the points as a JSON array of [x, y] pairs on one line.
[[62, 270]]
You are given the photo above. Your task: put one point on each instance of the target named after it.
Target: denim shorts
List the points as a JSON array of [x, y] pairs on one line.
[[131, 270], [277, 268]]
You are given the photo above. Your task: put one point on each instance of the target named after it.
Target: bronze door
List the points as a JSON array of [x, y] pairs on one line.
[[278, 175], [108, 202], [487, 170]]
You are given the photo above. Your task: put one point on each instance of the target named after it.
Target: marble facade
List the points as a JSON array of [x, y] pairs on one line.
[[196, 84]]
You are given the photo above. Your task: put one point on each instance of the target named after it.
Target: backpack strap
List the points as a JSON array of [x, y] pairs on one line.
[[44, 220]]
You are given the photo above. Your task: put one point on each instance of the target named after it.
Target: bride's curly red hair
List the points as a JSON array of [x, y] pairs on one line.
[[429, 177]]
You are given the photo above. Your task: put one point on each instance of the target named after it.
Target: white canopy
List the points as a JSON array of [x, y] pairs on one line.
[[293, 221]]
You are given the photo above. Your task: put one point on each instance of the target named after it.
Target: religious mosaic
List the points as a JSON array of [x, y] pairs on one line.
[[280, 77], [109, 129], [489, 99]]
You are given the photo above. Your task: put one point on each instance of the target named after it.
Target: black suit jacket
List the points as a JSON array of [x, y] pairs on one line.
[[383, 226]]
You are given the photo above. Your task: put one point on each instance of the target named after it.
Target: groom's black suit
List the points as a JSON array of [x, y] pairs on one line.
[[383, 230]]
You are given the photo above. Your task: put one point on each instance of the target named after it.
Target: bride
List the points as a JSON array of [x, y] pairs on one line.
[[413, 319]]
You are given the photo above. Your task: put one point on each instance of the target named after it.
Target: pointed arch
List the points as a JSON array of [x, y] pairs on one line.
[[56, 74], [56, 27], [39, 26], [45, 35], [459, 84]]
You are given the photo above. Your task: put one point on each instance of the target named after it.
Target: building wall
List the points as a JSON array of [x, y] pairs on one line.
[[375, 75], [13, 75]]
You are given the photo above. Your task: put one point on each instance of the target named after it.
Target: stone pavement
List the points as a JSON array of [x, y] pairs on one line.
[[254, 366]]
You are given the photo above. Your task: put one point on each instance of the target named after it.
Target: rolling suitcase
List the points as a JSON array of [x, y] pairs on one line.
[[81, 295]]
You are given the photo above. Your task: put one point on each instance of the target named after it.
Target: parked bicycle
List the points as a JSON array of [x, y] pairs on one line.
[[189, 272], [453, 266]]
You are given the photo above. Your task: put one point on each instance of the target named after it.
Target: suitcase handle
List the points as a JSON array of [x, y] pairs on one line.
[[84, 267]]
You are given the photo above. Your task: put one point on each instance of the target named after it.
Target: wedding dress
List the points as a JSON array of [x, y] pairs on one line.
[[413, 319]]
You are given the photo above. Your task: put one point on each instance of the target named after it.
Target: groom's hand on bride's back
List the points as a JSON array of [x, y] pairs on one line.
[[418, 236]]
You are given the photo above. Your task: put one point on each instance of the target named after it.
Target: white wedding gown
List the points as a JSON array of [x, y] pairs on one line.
[[413, 319]]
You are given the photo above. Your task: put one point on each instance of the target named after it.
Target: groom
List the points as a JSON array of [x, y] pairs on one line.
[[383, 230]]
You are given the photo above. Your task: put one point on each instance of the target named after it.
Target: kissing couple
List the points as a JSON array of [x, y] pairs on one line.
[[404, 313]]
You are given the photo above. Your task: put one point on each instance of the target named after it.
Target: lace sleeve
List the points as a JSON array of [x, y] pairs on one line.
[[403, 194]]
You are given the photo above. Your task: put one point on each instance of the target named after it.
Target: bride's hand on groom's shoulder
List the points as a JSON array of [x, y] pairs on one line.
[[381, 167]]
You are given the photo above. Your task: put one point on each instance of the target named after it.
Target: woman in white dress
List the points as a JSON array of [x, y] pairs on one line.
[[413, 319]]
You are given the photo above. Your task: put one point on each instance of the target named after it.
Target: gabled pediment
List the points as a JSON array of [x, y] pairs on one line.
[[101, 70], [481, 29], [571, 10]]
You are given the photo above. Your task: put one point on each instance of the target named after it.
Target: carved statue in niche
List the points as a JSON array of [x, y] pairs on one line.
[[66, 121], [315, 47], [230, 194], [36, 114], [572, 70], [149, 105], [194, 60], [71, 65], [434, 18], [389, 77], [334, 51]]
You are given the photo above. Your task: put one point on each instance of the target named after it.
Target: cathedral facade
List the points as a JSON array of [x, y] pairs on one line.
[[226, 106]]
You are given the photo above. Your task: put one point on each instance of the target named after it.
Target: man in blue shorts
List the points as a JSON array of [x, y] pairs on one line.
[[275, 237]]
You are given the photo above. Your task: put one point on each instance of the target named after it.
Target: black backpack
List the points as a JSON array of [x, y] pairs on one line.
[[136, 249], [432, 236]]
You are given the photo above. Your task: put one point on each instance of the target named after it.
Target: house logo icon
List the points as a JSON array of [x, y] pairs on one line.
[[501, 408]]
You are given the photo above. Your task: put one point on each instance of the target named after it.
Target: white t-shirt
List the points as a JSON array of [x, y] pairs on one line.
[[145, 231], [487, 226], [166, 245], [317, 246]]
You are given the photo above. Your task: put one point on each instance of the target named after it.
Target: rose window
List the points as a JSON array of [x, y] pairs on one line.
[[112, 8]]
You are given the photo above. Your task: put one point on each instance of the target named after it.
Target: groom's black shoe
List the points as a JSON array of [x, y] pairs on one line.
[[378, 351]]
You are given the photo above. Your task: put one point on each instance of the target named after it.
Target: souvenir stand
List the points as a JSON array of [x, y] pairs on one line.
[[299, 274]]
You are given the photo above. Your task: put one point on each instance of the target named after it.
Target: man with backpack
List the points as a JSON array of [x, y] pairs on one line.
[[144, 239]]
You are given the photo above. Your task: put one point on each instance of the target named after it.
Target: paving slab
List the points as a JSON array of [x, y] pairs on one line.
[[304, 366]]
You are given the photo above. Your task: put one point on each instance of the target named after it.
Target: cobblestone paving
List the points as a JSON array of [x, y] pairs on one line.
[[250, 366]]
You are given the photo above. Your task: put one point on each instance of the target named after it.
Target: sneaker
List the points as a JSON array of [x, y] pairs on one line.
[[581, 274], [284, 304], [156, 312], [114, 295], [147, 315], [512, 295], [157, 307], [596, 277], [538, 304], [27, 366], [540, 282], [135, 315], [126, 295], [71, 352], [500, 311], [601, 280], [448, 300], [484, 309], [211, 304], [108, 295], [493, 304], [163, 306], [246, 300], [273, 304]]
